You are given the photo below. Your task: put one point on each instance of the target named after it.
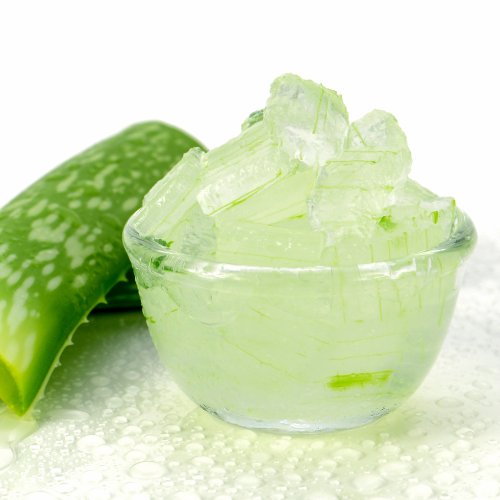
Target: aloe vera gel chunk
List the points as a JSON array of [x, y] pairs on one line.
[[299, 165], [61, 249]]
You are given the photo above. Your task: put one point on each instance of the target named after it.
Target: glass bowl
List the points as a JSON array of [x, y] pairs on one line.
[[311, 349]]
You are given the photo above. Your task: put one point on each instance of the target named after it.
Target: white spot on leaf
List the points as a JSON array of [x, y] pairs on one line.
[[79, 280], [54, 283], [130, 204], [93, 202], [29, 351], [49, 254], [14, 278], [48, 269], [37, 209], [64, 185]]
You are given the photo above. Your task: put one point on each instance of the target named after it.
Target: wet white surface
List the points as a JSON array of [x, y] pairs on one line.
[[114, 426]]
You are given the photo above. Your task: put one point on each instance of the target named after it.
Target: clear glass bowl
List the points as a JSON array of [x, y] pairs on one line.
[[299, 349]]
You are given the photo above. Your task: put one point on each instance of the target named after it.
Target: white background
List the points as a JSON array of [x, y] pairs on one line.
[[73, 73]]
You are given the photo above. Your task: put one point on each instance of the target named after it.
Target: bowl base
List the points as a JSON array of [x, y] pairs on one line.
[[298, 426]]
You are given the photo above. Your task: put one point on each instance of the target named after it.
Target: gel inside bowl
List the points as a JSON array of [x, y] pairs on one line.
[[299, 349]]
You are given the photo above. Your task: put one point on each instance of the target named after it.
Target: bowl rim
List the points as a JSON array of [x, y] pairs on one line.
[[144, 250]]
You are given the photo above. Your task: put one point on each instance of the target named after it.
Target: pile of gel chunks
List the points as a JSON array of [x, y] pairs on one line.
[[299, 187]]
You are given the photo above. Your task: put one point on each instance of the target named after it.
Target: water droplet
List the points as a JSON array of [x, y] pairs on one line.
[[460, 446], [368, 483], [64, 488], [242, 444], [482, 384], [172, 418], [475, 395], [103, 451], [395, 469], [135, 456], [171, 429], [194, 448], [320, 495], [322, 474], [202, 462], [347, 455], [39, 495], [91, 477], [327, 464], [247, 481], [260, 457], [147, 470], [469, 468], [444, 479], [292, 478], [115, 402], [390, 449], [488, 489], [62, 414], [416, 433], [449, 402], [490, 461], [132, 488], [130, 412], [7, 456], [445, 456], [88, 443], [98, 494], [100, 381], [126, 442], [419, 492], [185, 495], [465, 432], [103, 392], [131, 430], [164, 408]]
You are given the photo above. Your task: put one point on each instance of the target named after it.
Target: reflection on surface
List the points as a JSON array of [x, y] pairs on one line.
[[113, 425]]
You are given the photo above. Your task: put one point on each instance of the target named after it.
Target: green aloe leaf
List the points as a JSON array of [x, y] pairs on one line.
[[61, 249]]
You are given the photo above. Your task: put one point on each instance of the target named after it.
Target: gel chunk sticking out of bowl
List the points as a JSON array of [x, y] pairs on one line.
[[299, 187]]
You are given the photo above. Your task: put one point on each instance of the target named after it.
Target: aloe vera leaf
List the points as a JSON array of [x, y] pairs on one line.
[[61, 249], [123, 296]]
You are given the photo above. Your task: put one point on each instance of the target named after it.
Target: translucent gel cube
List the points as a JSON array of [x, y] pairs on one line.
[[284, 199], [262, 245], [240, 168], [166, 205], [351, 191], [310, 120]]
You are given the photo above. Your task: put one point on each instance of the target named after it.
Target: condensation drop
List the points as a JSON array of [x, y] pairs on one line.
[[347, 455], [247, 481], [460, 446], [147, 470], [449, 402], [103, 451], [487, 489], [39, 495], [88, 443], [98, 494], [185, 495], [135, 456], [62, 414], [444, 479], [368, 483], [7, 456], [395, 469], [91, 477], [319, 495], [419, 492]]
